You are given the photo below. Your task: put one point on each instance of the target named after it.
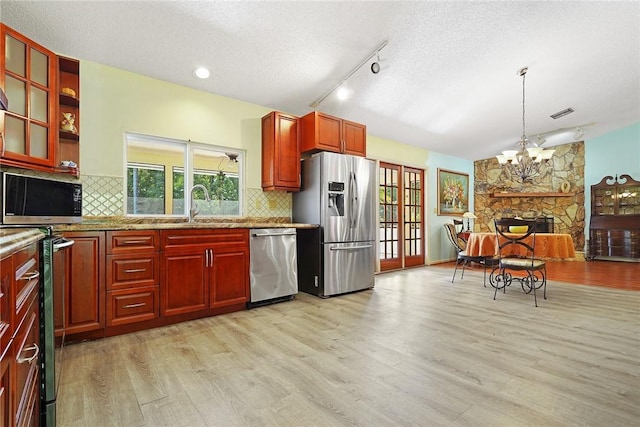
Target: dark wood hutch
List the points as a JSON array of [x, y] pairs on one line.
[[614, 230]]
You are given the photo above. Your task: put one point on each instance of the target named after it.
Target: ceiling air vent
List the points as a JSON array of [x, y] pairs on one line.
[[562, 113]]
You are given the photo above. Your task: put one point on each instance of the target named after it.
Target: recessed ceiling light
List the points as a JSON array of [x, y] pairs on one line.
[[201, 73]]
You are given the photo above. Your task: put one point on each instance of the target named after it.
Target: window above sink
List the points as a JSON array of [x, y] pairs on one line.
[[160, 169]]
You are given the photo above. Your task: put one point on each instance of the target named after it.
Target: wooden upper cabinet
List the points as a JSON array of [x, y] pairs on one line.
[[354, 136], [280, 152], [322, 132], [28, 128]]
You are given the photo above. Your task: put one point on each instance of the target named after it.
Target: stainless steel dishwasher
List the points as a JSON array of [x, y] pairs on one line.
[[273, 268]]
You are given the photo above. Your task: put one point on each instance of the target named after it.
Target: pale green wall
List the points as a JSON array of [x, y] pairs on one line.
[[116, 101]]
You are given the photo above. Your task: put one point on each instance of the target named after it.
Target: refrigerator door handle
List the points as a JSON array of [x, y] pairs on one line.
[[349, 248], [353, 189]]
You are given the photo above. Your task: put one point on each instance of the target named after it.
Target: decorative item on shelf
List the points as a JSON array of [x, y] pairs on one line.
[[68, 164], [68, 123], [564, 187], [68, 91], [525, 162], [469, 216]]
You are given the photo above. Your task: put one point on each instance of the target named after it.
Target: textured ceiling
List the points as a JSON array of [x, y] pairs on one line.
[[449, 72]]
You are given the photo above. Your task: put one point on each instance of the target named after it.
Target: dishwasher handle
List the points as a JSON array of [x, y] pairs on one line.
[[287, 232]]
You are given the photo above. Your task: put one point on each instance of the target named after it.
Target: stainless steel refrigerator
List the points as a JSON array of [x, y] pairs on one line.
[[338, 193]]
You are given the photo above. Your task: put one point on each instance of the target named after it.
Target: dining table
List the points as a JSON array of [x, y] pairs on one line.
[[548, 245]]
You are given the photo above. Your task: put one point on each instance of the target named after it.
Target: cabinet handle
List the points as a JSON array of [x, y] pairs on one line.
[[135, 270], [30, 275], [36, 352], [139, 304], [133, 242], [3, 144]]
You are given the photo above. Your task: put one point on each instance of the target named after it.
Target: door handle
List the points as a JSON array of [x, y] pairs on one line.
[[30, 275], [65, 244], [135, 270], [336, 248], [36, 352]]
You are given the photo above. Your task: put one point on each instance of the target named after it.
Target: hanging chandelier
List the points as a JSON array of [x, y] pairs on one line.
[[525, 162]]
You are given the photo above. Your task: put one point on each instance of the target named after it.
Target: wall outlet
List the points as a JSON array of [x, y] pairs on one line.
[[272, 204], [258, 204]]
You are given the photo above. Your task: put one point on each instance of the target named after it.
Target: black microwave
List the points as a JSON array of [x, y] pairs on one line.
[[30, 200]]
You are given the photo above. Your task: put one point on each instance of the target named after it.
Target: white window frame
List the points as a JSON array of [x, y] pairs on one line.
[[187, 147]]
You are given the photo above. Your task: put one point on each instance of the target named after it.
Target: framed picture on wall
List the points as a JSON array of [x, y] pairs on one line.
[[453, 193]]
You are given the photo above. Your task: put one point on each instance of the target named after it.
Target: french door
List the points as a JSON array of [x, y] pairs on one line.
[[401, 197]]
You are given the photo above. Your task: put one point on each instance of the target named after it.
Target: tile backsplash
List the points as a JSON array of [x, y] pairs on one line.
[[103, 196]]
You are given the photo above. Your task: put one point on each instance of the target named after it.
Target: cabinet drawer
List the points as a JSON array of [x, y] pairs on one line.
[[27, 343], [175, 239], [126, 271], [119, 242], [27, 279], [6, 305], [132, 305]]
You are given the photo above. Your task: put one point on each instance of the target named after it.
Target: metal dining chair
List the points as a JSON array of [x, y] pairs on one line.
[[517, 253], [462, 256]]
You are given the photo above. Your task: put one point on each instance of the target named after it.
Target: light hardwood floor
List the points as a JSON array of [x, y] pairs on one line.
[[416, 350]]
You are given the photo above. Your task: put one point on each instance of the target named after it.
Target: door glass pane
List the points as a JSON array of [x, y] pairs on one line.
[[16, 94], [14, 134], [39, 104], [39, 68], [15, 55], [38, 142]]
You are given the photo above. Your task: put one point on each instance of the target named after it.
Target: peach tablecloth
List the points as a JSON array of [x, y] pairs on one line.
[[548, 245]]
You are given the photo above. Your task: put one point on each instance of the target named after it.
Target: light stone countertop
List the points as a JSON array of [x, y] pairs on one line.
[[159, 223], [13, 239]]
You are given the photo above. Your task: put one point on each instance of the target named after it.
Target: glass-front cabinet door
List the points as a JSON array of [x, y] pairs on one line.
[[28, 78]]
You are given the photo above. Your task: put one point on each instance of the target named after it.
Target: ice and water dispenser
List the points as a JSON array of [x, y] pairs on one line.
[[336, 199]]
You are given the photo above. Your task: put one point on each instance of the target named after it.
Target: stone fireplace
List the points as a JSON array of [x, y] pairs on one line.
[[558, 193]]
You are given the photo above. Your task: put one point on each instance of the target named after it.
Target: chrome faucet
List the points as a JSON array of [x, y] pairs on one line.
[[193, 211]]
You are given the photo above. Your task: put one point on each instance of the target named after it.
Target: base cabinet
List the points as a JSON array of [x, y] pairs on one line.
[[79, 286], [203, 270], [229, 282], [20, 323], [185, 281], [133, 260], [115, 282]]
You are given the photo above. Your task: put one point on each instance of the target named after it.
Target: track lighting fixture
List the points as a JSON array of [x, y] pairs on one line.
[[375, 69]]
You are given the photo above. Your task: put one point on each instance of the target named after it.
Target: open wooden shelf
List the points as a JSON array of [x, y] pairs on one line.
[[542, 194]]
